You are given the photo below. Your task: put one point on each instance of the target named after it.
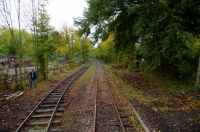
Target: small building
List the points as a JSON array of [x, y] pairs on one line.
[[4, 60], [63, 61]]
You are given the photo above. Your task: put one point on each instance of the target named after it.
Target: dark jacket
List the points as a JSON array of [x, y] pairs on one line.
[[34, 75]]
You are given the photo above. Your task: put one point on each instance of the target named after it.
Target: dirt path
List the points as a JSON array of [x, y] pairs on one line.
[[161, 109]]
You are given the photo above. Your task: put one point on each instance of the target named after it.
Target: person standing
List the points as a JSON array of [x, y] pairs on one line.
[[33, 78]]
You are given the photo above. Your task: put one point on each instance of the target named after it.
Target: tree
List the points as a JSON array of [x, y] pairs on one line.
[[44, 47], [5, 38], [107, 17], [197, 84], [33, 13], [107, 50], [6, 13], [7, 45], [162, 29], [64, 41], [86, 47]]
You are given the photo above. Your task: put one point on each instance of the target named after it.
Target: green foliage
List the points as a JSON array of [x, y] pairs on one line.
[[95, 18], [9, 47], [163, 32], [72, 46], [45, 42], [2, 84], [85, 47], [4, 40]]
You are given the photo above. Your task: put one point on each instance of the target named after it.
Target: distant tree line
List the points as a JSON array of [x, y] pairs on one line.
[[165, 33], [25, 31]]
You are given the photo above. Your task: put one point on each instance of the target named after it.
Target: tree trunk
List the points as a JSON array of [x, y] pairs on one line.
[[47, 63], [198, 76], [20, 45]]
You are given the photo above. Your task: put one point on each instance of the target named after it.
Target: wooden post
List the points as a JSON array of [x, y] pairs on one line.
[[198, 76]]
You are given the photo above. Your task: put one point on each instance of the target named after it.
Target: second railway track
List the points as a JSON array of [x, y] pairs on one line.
[[106, 110], [107, 113]]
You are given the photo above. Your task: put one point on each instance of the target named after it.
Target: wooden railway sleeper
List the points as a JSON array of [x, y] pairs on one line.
[[43, 116], [43, 123], [51, 130], [47, 110], [40, 123], [53, 101], [47, 105]]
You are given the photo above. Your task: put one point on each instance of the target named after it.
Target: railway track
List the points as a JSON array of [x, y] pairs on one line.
[[106, 111], [44, 117], [107, 114]]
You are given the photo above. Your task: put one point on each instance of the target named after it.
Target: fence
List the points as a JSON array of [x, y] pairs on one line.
[[11, 82]]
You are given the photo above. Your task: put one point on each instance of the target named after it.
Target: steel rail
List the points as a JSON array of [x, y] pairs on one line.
[[146, 129], [121, 124], [95, 105], [37, 106], [56, 107]]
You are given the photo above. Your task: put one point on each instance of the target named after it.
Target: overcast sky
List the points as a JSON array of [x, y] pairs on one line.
[[63, 11]]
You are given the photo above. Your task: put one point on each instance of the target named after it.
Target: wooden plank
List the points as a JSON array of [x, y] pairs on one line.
[[43, 116], [47, 106], [48, 110], [52, 130], [53, 101], [42, 123]]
